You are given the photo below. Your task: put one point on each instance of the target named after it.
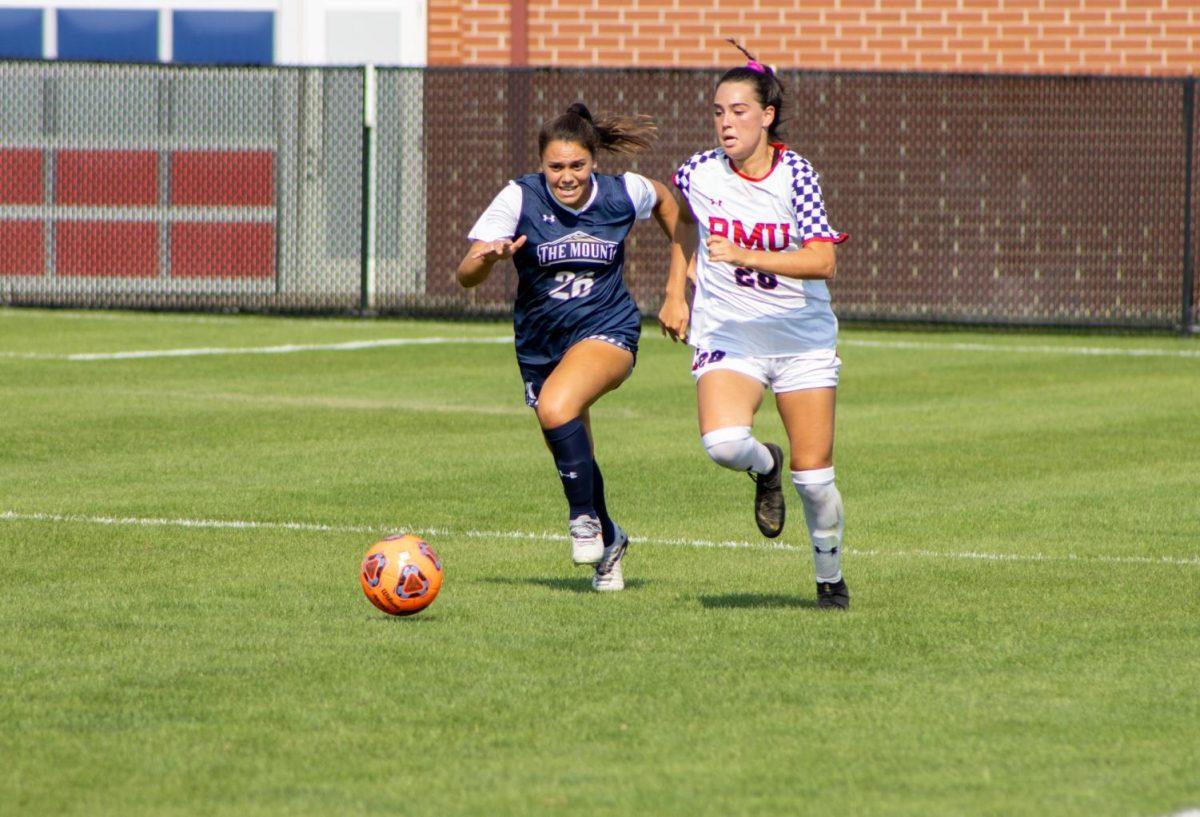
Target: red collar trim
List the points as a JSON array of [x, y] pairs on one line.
[[779, 147]]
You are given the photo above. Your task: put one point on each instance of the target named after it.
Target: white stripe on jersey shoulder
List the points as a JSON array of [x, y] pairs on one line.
[[500, 218], [640, 191]]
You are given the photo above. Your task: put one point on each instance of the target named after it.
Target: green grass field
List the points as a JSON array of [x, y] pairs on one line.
[[183, 631]]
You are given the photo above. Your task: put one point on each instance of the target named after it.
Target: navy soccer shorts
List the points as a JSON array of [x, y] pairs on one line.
[[534, 375]]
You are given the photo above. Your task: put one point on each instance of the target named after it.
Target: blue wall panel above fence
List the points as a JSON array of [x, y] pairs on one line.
[[21, 34], [227, 37], [108, 34]]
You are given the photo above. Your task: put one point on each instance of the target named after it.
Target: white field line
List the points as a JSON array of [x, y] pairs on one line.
[[291, 348], [234, 524], [357, 345]]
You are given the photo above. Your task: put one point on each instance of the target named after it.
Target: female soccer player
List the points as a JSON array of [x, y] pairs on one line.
[[576, 326], [760, 315]]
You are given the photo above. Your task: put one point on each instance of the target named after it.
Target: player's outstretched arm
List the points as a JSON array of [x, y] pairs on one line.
[[675, 315], [477, 264]]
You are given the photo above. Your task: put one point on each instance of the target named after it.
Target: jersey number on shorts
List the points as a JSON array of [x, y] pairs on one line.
[[707, 357], [747, 277], [571, 285]]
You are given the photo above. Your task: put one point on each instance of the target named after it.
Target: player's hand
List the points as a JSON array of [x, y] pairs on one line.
[[673, 318], [721, 249], [499, 250]]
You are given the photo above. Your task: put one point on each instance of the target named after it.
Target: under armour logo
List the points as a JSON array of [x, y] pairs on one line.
[[549, 219], [569, 475], [711, 200]]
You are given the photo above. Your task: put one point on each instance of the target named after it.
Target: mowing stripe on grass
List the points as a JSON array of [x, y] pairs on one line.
[[88, 315], [357, 345], [237, 524], [174, 317], [286, 349], [270, 401], [1101, 351]]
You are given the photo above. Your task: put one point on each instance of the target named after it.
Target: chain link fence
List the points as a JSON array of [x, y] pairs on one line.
[[1191, 308], [974, 199], [165, 187]]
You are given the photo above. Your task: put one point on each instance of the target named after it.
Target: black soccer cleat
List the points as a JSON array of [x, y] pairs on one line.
[[833, 595], [769, 510]]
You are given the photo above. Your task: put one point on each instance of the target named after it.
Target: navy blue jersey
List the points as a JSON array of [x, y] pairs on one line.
[[570, 283]]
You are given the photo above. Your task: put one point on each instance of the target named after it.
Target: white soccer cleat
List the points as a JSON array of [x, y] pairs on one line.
[[609, 576], [587, 540]]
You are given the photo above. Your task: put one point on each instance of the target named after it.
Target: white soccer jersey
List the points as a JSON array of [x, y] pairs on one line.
[[741, 311]]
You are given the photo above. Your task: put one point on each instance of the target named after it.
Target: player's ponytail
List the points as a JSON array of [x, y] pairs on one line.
[[767, 86], [616, 134]]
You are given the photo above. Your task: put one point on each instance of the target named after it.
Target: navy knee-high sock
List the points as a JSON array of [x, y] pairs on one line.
[[573, 456], [606, 523]]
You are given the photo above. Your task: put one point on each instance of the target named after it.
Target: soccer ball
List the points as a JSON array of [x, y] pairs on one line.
[[401, 574]]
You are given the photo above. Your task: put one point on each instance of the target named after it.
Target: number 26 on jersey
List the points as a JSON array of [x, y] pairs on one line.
[[572, 285], [747, 277]]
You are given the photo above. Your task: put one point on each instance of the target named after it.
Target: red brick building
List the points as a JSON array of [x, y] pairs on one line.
[[1129, 37]]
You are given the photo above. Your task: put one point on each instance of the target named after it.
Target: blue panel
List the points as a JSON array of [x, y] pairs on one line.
[[108, 34], [21, 34], [228, 37]]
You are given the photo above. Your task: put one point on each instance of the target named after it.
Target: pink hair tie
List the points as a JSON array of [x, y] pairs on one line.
[[755, 65]]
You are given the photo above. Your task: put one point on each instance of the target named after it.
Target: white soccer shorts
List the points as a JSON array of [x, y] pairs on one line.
[[811, 370]]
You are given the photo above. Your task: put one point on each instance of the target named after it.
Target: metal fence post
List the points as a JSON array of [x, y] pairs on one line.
[[1187, 325], [369, 108]]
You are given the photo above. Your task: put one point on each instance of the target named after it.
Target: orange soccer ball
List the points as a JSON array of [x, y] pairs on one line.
[[401, 574]]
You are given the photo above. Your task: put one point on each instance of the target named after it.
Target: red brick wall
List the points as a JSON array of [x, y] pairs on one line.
[[1135, 37], [469, 32], [444, 38]]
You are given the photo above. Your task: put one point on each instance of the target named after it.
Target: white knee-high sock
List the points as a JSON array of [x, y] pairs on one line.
[[733, 447], [823, 513]]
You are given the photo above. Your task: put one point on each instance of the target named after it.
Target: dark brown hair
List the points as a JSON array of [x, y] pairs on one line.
[[767, 87], [616, 134]]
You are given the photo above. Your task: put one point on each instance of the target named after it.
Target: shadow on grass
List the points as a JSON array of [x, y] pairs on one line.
[[752, 600], [407, 621], [583, 584]]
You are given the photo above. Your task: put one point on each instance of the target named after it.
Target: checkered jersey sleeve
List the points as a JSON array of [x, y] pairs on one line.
[[807, 204], [683, 176]]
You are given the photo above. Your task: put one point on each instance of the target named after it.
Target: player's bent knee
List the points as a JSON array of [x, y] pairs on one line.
[[808, 463], [731, 447], [553, 412]]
